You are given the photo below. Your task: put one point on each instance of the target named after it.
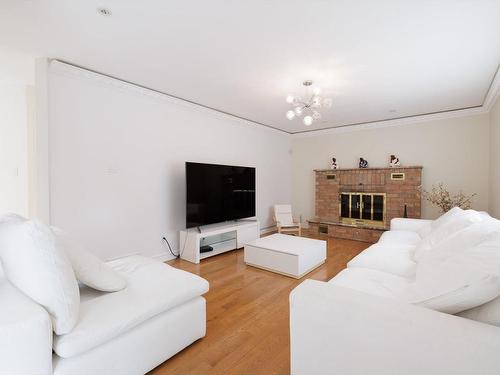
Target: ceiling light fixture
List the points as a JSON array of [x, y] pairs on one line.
[[104, 11], [310, 107]]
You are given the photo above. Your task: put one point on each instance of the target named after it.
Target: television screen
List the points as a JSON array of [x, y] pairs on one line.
[[218, 193]]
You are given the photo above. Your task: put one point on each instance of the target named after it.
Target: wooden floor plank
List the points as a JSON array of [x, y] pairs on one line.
[[248, 314]]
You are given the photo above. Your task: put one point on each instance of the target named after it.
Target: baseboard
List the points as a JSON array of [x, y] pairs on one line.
[[267, 230], [163, 257]]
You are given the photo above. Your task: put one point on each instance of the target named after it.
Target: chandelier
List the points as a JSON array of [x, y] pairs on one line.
[[308, 107]]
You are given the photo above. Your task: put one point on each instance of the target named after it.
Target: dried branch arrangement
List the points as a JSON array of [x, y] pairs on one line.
[[441, 197]]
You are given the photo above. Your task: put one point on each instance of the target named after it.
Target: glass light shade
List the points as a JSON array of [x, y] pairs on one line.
[[308, 120], [316, 115], [316, 101], [298, 111], [290, 115], [317, 91], [289, 99]]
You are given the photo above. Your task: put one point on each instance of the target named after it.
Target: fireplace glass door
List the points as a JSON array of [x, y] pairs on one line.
[[363, 209]]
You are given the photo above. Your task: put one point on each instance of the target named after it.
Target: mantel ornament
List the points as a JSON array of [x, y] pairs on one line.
[[333, 164], [394, 162], [363, 163]]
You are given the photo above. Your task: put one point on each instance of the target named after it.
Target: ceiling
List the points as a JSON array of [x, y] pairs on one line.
[[376, 59]]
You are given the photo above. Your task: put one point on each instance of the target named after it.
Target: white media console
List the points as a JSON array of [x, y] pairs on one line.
[[221, 237]]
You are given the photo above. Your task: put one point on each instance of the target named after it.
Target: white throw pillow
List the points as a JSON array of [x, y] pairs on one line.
[[473, 294], [425, 230], [458, 280], [88, 268], [488, 313], [33, 264], [458, 221], [446, 217]]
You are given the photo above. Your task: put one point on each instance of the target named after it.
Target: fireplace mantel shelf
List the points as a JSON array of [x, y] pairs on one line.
[[369, 169]]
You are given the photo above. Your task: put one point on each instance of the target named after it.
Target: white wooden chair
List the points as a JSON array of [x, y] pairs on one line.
[[285, 221]]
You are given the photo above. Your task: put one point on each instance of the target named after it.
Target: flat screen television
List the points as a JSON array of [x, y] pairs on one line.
[[218, 193]]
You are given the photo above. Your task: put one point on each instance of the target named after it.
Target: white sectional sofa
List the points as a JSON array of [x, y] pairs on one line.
[[159, 312], [423, 300]]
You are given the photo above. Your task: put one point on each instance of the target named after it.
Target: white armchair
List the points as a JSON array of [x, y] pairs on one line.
[[285, 221]]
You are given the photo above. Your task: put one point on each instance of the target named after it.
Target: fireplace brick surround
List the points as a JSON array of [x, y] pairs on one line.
[[401, 187]]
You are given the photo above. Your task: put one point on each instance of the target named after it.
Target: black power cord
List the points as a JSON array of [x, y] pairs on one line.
[[168, 244]]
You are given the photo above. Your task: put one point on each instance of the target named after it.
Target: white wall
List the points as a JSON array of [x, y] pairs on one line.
[[454, 151], [13, 149], [117, 155], [495, 159], [16, 78]]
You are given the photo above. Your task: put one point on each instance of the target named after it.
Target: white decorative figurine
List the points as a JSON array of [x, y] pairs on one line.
[[333, 164], [394, 162]]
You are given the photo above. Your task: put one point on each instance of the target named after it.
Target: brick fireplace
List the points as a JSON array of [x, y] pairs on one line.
[[360, 203]]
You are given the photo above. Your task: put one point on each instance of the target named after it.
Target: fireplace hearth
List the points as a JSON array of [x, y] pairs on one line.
[[360, 203]]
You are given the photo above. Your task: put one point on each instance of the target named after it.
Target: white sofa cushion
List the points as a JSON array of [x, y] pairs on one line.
[[487, 313], [465, 238], [473, 293], [89, 269], [38, 268], [396, 260], [400, 237], [152, 288], [454, 281], [370, 281], [425, 230], [446, 217], [445, 229]]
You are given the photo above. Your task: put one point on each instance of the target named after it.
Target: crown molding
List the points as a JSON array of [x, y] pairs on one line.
[[417, 119], [65, 68], [490, 99], [493, 92]]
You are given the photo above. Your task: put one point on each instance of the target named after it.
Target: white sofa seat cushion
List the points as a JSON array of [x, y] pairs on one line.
[[400, 237], [373, 282], [396, 260], [152, 288], [36, 266]]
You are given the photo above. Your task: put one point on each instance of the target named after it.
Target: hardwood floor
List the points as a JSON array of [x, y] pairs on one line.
[[247, 314]]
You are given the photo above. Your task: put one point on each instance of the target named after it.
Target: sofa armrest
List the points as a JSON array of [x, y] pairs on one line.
[[25, 334], [336, 330], [413, 225]]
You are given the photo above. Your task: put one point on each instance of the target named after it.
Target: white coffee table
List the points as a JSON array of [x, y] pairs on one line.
[[288, 255]]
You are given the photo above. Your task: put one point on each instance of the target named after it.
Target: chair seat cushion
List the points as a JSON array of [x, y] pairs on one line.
[[373, 282], [289, 226], [400, 237], [152, 288], [396, 260]]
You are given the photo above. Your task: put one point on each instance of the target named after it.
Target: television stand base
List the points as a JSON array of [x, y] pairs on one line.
[[221, 238]]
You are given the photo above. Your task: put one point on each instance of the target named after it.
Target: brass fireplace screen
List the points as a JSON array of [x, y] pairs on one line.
[[363, 209]]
